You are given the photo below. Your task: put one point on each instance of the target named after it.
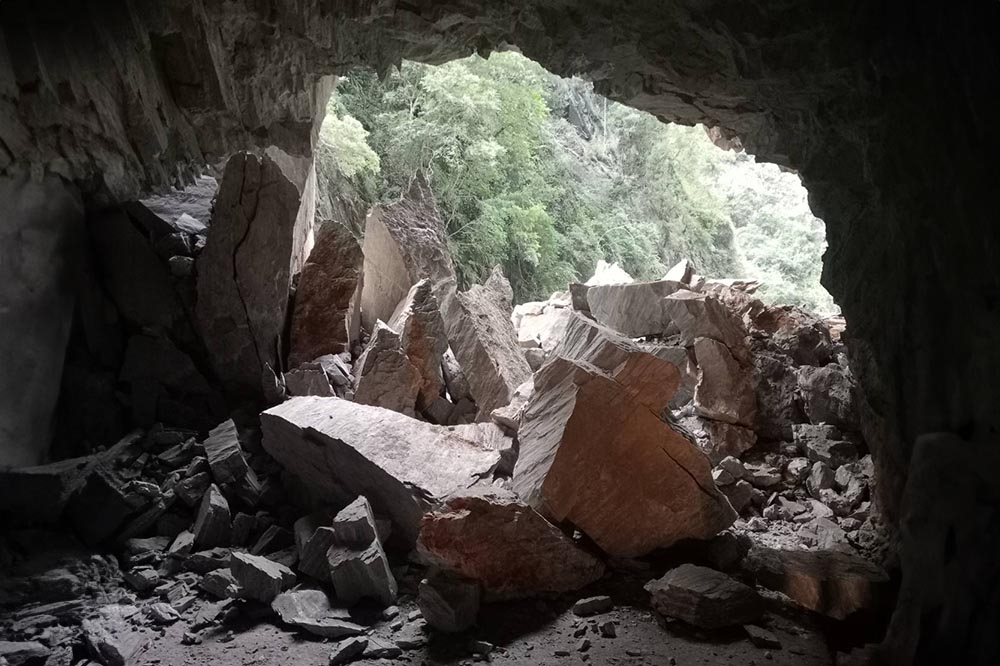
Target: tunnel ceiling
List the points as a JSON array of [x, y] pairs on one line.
[[882, 107]]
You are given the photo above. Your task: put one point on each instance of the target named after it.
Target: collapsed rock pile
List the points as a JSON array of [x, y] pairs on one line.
[[490, 452]]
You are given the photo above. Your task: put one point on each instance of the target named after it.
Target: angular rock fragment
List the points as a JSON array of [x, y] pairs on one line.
[[795, 333], [273, 539], [717, 439], [224, 453], [244, 273], [540, 328], [725, 389], [220, 584], [422, 338], [778, 402], [259, 578], [488, 535], [384, 376], [212, 526], [510, 415], [739, 494], [683, 271], [634, 310], [340, 450], [310, 610], [348, 650], [762, 638], [112, 638], [828, 396], [484, 342], [404, 242], [327, 310], [17, 653], [593, 606], [358, 565], [595, 454], [449, 603], [313, 537], [832, 583], [704, 597], [454, 377], [702, 316]]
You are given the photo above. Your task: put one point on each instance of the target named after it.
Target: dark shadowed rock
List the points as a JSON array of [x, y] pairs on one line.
[[484, 341], [212, 526], [449, 603], [595, 454], [326, 315], [832, 583], [340, 450], [704, 597], [313, 538], [490, 536], [244, 273], [828, 396]]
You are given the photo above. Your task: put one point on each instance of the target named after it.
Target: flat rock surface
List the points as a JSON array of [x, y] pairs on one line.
[[341, 450]]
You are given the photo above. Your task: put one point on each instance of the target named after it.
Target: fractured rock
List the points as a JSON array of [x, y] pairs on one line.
[[488, 535], [699, 315], [594, 454], [16, 653], [593, 606], [404, 242], [327, 312], [220, 584], [310, 610], [704, 597], [792, 331], [510, 415], [112, 638], [635, 310], [313, 538], [212, 526], [348, 650], [384, 376], [608, 273], [683, 271], [778, 402], [340, 450], [358, 565], [725, 389], [244, 273], [260, 578], [832, 583], [422, 338], [224, 453], [484, 342], [828, 396], [449, 603], [454, 377]]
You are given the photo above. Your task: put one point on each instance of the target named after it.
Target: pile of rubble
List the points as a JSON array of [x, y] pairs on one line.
[[441, 447]]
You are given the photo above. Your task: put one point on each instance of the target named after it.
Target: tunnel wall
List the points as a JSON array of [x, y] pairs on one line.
[[882, 107]]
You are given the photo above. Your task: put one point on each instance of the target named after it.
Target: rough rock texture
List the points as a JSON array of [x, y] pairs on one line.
[[837, 91], [725, 390], [327, 309], [835, 584], [260, 578], [422, 338], [384, 376], [484, 341], [358, 565], [310, 610], [245, 271], [224, 453], [490, 536], [340, 450], [448, 603], [404, 243], [42, 246], [698, 315], [634, 310], [594, 452], [704, 597]]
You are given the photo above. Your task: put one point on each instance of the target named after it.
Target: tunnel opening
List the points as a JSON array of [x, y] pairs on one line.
[[109, 104]]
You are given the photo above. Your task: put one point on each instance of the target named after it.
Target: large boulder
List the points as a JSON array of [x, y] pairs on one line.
[[699, 315], [384, 376], [594, 452], [484, 342], [634, 310], [793, 332], [404, 242], [244, 273], [779, 406], [326, 316], [828, 396], [340, 449], [489, 535], [422, 338]]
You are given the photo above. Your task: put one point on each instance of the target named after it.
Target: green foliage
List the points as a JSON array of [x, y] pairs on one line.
[[544, 177]]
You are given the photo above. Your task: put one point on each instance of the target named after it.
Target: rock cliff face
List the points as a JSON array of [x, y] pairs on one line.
[[882, 109]]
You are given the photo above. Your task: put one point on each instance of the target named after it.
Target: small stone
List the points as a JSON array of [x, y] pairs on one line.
[[259, 577], [348, 650], [608, 629], [162, 613], [757, 524], [704, 597], [449, 603], [390, 612], [821, 477], [379, 649], [583, 645], [761, 637], [632, 652], [481, 647], [190, 638], [396, 625], [142, 579], [310, 610], [221, 584], [561, 653], [592, 606]]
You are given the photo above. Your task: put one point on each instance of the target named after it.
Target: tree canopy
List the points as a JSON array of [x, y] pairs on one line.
[[542, 176]]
